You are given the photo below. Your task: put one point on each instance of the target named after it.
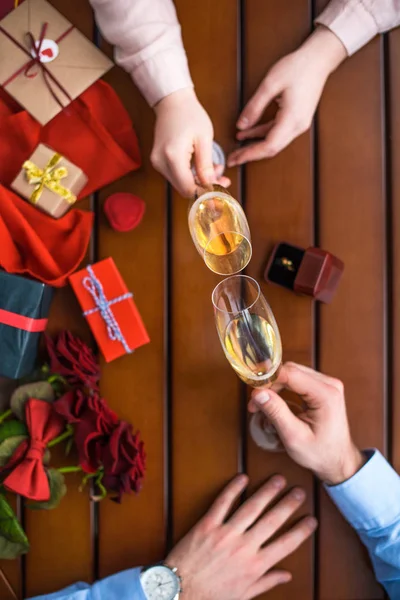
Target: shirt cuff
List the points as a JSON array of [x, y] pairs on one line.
[[122, 586], [162, 74], [351, 22], [371, 498]]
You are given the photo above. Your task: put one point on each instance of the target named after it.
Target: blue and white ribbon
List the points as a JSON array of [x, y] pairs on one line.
[[94, 287]]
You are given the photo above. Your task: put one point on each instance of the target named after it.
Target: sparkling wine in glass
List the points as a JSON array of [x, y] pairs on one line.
[[247, 330], [220, 231]]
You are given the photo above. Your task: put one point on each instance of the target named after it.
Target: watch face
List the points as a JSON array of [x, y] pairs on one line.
[[160, 583]]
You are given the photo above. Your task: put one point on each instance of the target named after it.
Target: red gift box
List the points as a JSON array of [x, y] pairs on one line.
[[109, 309]]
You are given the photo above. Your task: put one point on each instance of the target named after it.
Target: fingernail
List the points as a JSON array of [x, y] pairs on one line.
[[285, 578], [312, 523], [242, 122], [278, 482], [261, 397], [298, 494]]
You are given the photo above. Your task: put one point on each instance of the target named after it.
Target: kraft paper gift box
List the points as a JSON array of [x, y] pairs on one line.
[[67, 65], [109, 309], [24, 308], [49, 181]]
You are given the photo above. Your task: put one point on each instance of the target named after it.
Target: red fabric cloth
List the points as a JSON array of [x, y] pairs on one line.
[[95, 133], [28, 477], [6, 6], [36, 245]]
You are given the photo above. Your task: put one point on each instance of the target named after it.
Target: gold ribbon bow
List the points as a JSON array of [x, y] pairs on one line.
[[48, 177]]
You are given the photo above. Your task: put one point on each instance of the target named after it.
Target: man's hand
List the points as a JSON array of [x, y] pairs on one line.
[[319, 437], [227, 558], [296, 83], [184, 132]]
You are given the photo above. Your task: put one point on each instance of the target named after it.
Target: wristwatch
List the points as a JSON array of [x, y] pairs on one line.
[[161, 582]]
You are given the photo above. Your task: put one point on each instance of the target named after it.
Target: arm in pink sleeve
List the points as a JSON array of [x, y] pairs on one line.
[[356, 22], [148, 44]]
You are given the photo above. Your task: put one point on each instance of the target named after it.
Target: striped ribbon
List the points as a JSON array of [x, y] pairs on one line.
[[95, 288]]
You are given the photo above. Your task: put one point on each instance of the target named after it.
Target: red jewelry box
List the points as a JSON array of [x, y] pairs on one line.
[[312, 272], [109, 309]]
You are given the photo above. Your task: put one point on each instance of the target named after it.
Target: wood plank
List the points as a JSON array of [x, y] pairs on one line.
[[133, 533], [394, 99], [205, 391], [48, 569], [279, 205], [68, 526], [352, 335]]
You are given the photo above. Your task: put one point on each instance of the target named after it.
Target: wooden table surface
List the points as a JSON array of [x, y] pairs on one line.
[[337, 186]]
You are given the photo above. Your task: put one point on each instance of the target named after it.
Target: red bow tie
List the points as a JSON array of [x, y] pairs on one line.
[[28, 478]]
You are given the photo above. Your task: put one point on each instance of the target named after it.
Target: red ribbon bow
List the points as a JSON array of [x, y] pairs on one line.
[[28, 478]]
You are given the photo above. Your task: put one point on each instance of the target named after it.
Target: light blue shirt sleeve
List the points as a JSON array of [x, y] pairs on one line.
[[370, 501], [122, 586]]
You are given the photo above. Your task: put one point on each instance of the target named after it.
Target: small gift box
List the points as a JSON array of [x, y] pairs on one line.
[[24, 307], [50, 181], [311, 272], [109, 309], [45, 61]]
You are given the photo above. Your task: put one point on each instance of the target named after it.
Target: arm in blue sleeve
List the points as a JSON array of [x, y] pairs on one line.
[[370, 501], [122, 586]]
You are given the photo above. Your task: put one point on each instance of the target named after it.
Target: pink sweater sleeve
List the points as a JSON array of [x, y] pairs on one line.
[[148, 44], [356, 22]]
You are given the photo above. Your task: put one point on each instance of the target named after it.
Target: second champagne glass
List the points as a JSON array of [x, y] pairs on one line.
[[247, 329], [220, 231], [252, 344]]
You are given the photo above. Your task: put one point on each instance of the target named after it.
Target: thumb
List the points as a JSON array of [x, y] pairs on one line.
[[203, 161], [278, 413], [257, 104]]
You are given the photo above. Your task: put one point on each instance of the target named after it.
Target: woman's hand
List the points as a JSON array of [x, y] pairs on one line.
[[295, 82], [184, 136]]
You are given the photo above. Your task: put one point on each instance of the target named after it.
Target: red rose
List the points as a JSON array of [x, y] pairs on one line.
[[73, 359], [124, 461], [93, 423]]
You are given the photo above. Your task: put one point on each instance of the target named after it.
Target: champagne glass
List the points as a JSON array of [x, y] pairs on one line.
[[219, 230], [247, 330], [252, 344]]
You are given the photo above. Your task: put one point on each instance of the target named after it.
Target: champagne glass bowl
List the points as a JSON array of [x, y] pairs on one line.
[[220, 231]]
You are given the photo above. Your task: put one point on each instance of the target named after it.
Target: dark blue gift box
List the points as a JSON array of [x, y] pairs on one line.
[[24, 308]]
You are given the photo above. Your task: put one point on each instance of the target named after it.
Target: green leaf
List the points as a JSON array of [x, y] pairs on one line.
[[69, 445], [58, 489], [8, 447], [11, 429], [47, 457], [13, 541], [41, 390]]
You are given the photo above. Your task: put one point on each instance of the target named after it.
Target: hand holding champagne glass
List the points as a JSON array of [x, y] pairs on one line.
[[220, 231], [251, 341]]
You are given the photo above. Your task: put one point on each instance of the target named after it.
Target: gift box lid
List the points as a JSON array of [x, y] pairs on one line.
[[24, 308], [23, 296], [117, 298]]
